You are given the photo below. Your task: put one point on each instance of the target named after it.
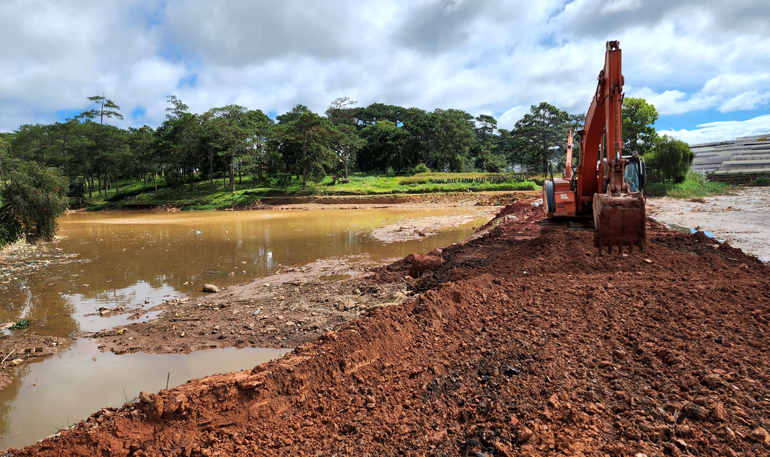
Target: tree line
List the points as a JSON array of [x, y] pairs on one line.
[[236, 143]]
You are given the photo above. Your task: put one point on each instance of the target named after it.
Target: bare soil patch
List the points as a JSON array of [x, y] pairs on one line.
[[515, 345], [742, 217]]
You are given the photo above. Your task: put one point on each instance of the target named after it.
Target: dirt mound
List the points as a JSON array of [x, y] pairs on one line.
[[518, 346]]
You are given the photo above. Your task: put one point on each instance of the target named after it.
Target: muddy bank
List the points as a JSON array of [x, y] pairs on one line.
[[742, 217], [283, 310], [403, 200], [517, 346]]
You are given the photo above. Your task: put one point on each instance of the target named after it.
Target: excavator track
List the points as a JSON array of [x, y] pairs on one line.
[[620, 221]]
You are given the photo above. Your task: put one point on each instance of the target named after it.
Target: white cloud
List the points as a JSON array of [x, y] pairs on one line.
[[480, 56], [722, 131]]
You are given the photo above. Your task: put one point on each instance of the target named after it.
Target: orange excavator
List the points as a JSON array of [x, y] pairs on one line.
[[605, 184]]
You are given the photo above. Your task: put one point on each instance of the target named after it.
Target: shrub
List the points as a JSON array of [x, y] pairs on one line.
[[762, 181], [31, 202], [421, 168]]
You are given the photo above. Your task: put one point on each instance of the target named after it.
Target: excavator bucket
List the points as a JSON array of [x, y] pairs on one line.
[[619, 221]]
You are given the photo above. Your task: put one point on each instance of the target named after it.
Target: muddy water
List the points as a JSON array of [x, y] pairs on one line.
[[140, 259]]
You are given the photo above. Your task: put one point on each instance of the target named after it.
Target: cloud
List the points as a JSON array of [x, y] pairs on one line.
[[726, 93], [722, 131], [439, 26], [481, 56]]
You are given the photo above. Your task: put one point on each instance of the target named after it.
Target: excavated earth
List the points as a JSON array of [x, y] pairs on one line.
[[517, 344]]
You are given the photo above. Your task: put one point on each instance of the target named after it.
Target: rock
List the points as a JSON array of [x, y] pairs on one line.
[[510, 371], [7, 325], [760, 435], [211, 288], [16, 362], [744, 267], [619, 354], [553, 401], [525, 435], [144, 397], [719, 339], [718, 412], [420, 263], [693, 411], [712, 381]]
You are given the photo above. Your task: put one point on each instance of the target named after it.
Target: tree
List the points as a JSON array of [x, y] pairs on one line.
[[105, 108], [30, 204], [540, 136], [261, 133], [453, 136], [141, 144], [5, 149], [672, 158], [638, 133], [311, 135], [485, 148], [177, 108], [385, 146], [342, 111], [233, 125], [347, 144]]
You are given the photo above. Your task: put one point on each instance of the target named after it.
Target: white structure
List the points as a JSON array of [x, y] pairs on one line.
[[745, 155]]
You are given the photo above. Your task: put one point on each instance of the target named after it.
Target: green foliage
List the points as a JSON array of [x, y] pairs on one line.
[[541, 137], [457, 163], [672, 158], [762, 181], [21, 324], [420, 168], [31, 202], [695, 185], [639, 135]]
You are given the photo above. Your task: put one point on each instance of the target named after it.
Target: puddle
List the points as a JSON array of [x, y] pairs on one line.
[[689, 230], [334, 277], [69, 387]]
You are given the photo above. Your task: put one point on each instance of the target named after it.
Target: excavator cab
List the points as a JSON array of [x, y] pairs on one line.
[[635, 176]]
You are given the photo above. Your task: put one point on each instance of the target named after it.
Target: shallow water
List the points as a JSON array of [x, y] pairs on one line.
[[77, 382], [142, 258]]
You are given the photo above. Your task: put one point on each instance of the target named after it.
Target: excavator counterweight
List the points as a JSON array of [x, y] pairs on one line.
[[606, 184]]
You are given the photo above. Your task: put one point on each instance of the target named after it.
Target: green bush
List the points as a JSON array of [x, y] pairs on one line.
[[31, 201], [421, 168], [762, 181]]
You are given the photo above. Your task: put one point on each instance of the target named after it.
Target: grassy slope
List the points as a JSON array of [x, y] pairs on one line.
[[695, 186], [247, 194]]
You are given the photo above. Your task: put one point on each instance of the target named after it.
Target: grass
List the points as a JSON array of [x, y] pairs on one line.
[[695, 185], [247, 193]]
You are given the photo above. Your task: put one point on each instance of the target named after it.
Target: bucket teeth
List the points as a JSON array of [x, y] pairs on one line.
[[619, 221]]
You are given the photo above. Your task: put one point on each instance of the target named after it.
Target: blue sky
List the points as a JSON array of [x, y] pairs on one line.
[[704, 64]]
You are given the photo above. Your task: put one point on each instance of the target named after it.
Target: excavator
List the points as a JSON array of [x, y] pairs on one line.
[[605, 184]]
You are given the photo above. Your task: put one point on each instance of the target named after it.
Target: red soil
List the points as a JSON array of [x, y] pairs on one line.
[[517, 347]]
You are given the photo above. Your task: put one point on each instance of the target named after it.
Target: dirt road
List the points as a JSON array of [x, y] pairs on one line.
[[742, 218], [515, 345]]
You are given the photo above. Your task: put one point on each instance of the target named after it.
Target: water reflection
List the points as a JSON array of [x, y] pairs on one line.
[[133, 258], [70, 386]]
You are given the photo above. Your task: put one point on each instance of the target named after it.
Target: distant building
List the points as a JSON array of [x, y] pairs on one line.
[[747, 155]]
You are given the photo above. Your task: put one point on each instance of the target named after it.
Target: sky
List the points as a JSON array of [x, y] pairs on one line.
[[704, 64]]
